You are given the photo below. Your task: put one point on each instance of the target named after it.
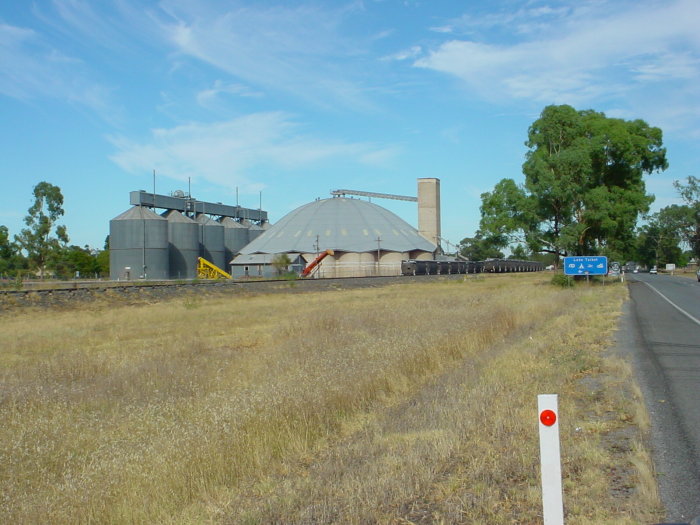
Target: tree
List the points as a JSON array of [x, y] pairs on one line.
[[102, 259], [74, 261], [6, 250], [281, 263], [43, 237], [659, 239], [583, 189], [505, 211], [688, 215], [478, 249], [519, 253], [11, 259]]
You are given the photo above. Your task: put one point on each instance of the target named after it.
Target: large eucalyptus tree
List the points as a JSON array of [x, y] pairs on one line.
[[43, 238], [584, 187]]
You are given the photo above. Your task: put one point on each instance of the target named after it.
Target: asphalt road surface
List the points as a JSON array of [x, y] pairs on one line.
[[661, 332]]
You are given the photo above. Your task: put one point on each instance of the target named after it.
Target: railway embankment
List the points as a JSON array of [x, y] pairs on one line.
[[64, 294]]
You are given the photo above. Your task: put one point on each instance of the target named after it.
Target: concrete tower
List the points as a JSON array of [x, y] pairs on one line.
[[429, 210]]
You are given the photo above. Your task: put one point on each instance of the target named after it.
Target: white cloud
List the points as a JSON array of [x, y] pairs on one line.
[[32, 69], [667, 66], [293, 49], [442, 29], [584, 56], [412, 52], [524, 20], [210, 96], [226, 153], [120, 25]]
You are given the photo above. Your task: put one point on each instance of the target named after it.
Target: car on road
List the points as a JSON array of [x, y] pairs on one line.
[[697, 274], [653, 270]]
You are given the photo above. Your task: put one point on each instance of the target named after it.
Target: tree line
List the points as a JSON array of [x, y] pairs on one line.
[[42, 249], [584, 194]]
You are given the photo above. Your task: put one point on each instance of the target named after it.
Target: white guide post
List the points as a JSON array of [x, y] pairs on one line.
[[550, 459]]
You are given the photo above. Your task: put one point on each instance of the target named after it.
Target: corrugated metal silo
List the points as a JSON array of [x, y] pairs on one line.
[[235, 238], [183, 236], [211, 241], [138, 245], [255, 231], [390, 262]]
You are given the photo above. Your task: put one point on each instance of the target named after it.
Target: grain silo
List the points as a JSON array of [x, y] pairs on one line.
[[366, 239], [211, 240], [255, 231], [235, 237], [183, 236], [138, 245]]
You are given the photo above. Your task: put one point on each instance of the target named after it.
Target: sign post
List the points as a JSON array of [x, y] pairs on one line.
[[550, 459]]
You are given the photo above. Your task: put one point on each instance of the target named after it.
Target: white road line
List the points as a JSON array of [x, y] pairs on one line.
[[689, 316]]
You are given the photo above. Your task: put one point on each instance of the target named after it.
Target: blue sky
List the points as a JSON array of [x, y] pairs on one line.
[[296, 98]]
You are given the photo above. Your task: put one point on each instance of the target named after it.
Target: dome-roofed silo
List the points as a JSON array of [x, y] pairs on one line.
[[211, 241], [235, 237], [366, 239], [138, 245], [183, 234]]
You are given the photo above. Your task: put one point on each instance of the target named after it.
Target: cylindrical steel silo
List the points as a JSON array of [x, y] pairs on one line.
[[235, 238], [255, 231], [183, 237], [138, 245], [211, 241]]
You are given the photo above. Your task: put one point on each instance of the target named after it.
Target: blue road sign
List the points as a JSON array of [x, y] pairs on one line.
[[585, 265]]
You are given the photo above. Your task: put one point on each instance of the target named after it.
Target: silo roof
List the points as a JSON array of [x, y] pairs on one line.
[[138, 212], [350, 225], [206, 220], [228, 222], [176, 216]]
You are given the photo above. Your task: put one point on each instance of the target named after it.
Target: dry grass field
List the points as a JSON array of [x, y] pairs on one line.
[[411, 403]]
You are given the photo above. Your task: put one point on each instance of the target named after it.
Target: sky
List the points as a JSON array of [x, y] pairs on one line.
[[282, 102]]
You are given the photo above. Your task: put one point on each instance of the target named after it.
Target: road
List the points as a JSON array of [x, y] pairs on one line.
[[661, 332]]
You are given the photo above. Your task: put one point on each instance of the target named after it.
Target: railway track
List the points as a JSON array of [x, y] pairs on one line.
[[63, 293]]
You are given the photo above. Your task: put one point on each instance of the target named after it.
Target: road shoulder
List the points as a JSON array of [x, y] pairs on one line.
[[677, 479]]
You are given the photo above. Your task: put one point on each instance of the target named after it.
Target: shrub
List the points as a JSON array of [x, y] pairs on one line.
[[281, 263], [562, 280]]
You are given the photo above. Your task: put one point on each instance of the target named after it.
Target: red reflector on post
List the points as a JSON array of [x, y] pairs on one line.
[[548, 417], [550, 460]]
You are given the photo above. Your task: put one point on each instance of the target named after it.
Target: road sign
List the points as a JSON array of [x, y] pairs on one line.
[[614, 269], [586, 265], [550, 460]]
